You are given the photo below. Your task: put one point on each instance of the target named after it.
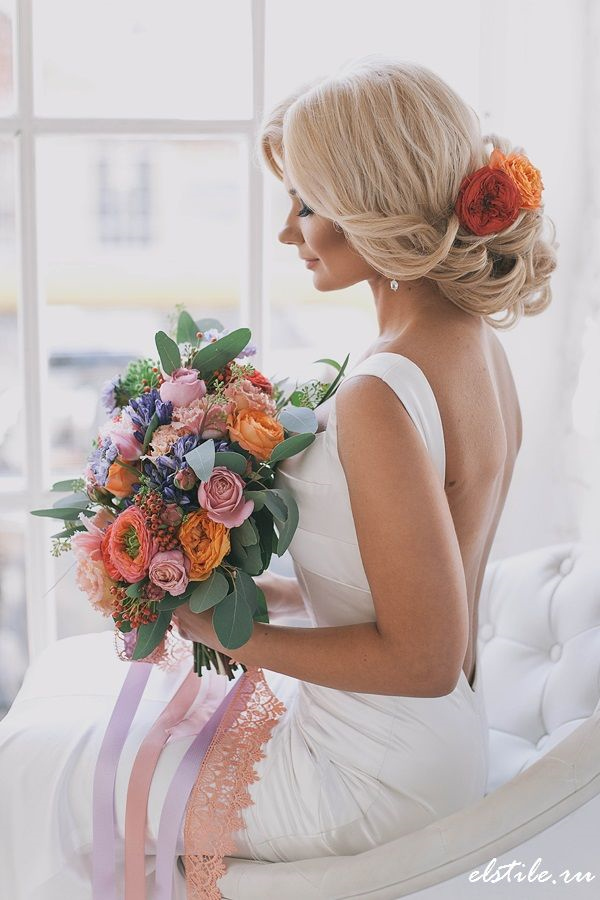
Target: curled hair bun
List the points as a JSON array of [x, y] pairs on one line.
[[382, 147]]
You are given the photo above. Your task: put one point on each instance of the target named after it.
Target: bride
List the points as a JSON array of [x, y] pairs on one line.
[[380, 725]]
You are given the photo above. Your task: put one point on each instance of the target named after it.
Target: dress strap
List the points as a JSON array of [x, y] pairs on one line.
[[410, 384]]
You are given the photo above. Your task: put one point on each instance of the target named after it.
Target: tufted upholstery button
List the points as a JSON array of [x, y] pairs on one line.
[[555, 652], [566, 565], [486, 631]]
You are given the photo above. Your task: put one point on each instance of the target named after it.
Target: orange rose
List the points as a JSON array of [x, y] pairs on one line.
[[255, 431], [204, 542], [120, 480], [527, 177]]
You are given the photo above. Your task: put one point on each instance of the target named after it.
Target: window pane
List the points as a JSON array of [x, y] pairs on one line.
[[11, 398], [181, 59], [127, 231], [14, 656], [7, 86]]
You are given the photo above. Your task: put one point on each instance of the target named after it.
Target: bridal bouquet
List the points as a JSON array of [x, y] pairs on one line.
[[176, 504]]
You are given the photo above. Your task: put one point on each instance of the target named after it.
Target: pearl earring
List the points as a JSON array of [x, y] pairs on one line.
[[394, 284]]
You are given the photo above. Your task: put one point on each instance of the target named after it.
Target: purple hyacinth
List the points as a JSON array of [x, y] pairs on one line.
[[162, 470], [101, 459], [142, 408]]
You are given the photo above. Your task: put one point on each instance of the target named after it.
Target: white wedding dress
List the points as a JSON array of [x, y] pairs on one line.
[[342, 771]]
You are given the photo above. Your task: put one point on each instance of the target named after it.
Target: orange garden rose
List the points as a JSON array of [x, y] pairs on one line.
[[120, 479], [255, 431], [525, 175], [204, 542], [130, 545]]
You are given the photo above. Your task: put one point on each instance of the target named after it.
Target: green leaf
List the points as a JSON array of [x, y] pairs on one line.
[[68, 514], [275, 503], [134, 590], [232, 620], [234, 461], [264, 522], [64, 485], [334, 384], [209, 592], [287, 529], [152, 426], [150, 635], [202, 459], [186, 329], [168, 351], [217, 354], [73, 500], [330, 362], [261, 613], [257, 497], [290, 447], [170, 602], [69, 532], [298, 418], [246, 533]]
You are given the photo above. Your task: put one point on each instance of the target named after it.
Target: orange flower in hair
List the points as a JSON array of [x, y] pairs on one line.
[[489, 199]]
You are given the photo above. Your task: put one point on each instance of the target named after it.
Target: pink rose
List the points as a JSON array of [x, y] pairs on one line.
[[222, 496], [182, 387], [169, 570], [121, 434]]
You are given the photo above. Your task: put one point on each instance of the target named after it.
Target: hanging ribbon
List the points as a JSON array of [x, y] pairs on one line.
[[178, 794], [104, 828]]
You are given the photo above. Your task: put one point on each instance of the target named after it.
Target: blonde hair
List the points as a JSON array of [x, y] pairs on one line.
[[381, 147]]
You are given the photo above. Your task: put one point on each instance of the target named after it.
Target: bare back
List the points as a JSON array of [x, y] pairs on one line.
[[468, 370]]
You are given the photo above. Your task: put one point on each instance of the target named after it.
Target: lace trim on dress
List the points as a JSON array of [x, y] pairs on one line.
[[220, 791]]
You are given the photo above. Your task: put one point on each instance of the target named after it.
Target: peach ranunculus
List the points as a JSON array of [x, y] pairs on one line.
[[204, 542], [255, 431], [121, 479], [246, 395], [182, 387], [222, 496], [527, 178], [112, 570], [130, 545], [92, 578]]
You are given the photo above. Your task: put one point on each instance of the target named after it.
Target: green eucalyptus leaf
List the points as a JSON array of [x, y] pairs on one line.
[[170, 602], [150, 635], [68, 514], [299, 419], [232, 620], [186, 329], [217, 354], [246, 533], [261, 613], [276, 503], [209, 592], [66, 485], [134, 590], [72, 501], [168, 351], [202, 459], [290, 446], [234, 461], [257, 498], [287, 529], [208, 323]]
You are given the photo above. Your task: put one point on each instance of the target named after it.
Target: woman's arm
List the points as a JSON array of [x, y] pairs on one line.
[[411, 557]]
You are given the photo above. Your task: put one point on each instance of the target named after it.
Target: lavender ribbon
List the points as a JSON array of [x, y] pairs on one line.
[[104, 828], [178, 794]]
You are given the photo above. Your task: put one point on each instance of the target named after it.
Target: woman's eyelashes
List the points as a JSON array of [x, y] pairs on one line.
[[305, 211]]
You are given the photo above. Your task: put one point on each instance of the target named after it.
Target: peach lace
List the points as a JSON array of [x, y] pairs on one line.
[[220, 791]]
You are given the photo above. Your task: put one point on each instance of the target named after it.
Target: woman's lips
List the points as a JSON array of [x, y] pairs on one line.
[[311, 262]]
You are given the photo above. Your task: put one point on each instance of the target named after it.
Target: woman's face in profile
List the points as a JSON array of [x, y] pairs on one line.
[[336, 264]]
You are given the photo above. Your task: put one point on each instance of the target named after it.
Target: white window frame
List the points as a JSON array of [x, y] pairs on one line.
[[25, 127]]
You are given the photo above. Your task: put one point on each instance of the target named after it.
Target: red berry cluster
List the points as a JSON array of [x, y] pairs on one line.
[[153, 507], [159, 380], [129, 609]]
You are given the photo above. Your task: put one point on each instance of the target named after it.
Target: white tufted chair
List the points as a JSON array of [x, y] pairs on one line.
[[539, 653]]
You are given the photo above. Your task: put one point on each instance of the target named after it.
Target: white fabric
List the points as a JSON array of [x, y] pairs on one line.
[[343, 771]]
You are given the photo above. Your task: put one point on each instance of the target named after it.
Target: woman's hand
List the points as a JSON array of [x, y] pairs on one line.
[[197, 627]]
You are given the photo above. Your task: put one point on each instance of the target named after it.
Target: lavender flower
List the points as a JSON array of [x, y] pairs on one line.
[[101, 459], [142, 408], [161, 471], [249, 350]]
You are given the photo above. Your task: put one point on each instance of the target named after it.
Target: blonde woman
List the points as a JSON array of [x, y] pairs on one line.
[[380, 725]]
